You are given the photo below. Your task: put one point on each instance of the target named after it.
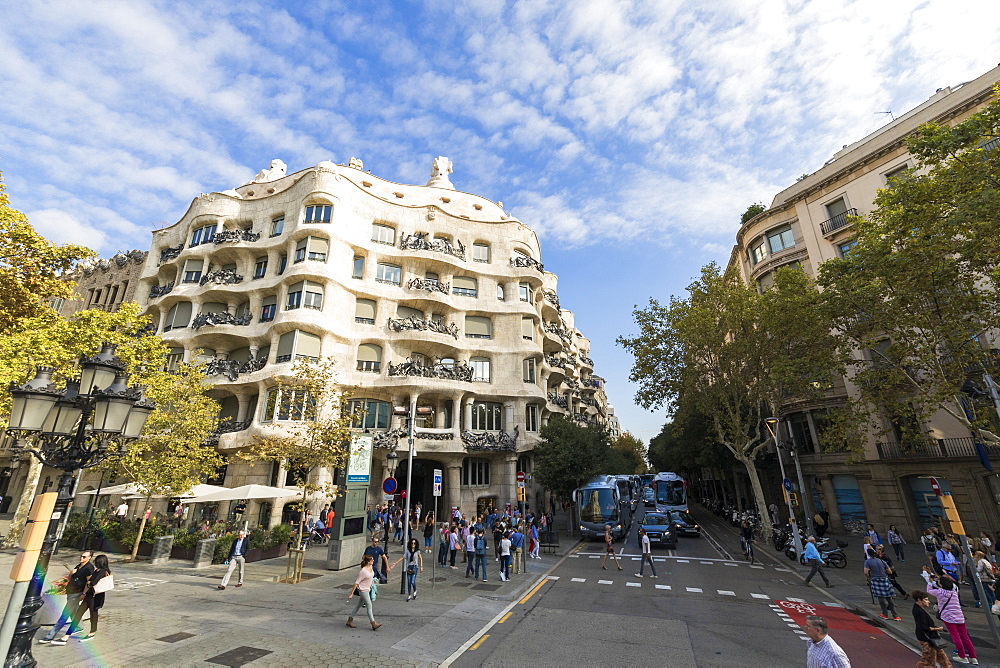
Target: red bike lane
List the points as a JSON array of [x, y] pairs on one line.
[[866, 645]]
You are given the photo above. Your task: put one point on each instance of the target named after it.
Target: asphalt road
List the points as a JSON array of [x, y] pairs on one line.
[[704, 609]]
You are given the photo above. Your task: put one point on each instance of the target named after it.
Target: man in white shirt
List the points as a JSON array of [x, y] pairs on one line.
[[121, 511], [647, 554], [823, 651]]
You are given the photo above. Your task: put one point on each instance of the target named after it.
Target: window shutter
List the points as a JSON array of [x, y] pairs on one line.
[[369, 352], [407, 312], [194, 265], [213, 307], [365, 308], [527, 328], [286, 343], [478, 325], [296, 287], [307, 344], [319, 245], [270, 301], [240, 354], [464, 282], [182, 317]]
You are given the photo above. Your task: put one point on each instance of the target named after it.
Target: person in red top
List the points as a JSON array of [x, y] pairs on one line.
[[328, 520]]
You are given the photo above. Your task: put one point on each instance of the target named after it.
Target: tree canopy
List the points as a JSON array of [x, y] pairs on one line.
[[571, 454], [734, 354], [919, 290]]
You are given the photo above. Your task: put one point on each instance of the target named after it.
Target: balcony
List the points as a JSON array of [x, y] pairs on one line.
[[419, 241], [557, 400], [221, 318], [527, 262], [233, 236], [221, 277], [160, 290], [429, 284], [232, 369], [933, 449], [488, 440], [170, 253], [551, 298], [553, 328], [450, 371], [369, 366], [419, 324], [838, 222]]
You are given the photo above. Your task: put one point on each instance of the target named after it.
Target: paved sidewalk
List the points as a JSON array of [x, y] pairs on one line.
[[173, 615], [851, 589]]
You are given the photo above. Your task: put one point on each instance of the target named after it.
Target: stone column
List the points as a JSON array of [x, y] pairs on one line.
[[467, 414], [456, 419], [439, 415], [454, 474], [508, 416], [244, 405], [830, 504], [812, 432], [508, 492]]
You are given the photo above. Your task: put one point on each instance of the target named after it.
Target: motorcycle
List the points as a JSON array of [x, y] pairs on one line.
[[834, 557]]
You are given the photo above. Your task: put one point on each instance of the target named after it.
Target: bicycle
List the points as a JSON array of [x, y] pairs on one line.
[[747, 547]]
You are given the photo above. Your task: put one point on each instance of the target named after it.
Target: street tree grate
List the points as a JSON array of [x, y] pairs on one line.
[[176, 637], [240, 656]]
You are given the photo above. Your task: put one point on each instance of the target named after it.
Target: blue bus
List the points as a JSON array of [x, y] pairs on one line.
[[603, 500], [671, 492]]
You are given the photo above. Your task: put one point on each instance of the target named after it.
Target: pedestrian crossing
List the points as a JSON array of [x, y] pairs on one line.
[[691, 590], [679, 560]]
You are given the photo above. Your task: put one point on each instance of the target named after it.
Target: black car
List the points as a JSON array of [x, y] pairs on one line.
[[684, 523], [649, 497], [660, 530]]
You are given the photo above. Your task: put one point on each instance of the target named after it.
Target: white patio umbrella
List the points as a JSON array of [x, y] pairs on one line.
[[197, 490], [244, 492], [114, 490]]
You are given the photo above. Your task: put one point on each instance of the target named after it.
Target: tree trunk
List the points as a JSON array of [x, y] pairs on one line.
[[24, 504], [758, 493], [142, 527]]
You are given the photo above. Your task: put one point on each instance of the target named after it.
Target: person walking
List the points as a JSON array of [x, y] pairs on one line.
[[927, 634], [609, 548], [878, 581], [91, 601], [505, 558], [891, 571], [444, 540], [470, 554], [823, 651], [454, 542], [897, 542], [380, 562], [814, 559], [533, 535], [647, 554], [947, 562], [363, 587], [414, 564], [943, 588], [480, 543], [429, 533], [930, 545], [871, 533], [517, 550], [498, 532], [237, 557], [76, 585]]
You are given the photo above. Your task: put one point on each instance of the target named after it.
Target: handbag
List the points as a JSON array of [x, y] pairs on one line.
[[996, 608], [107, 583], [373, 592]]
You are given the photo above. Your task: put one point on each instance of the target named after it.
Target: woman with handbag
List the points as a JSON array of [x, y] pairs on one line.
[[987, 576], [363, 588], [928, 634], [99, 582], [414, 564], [950, 610]]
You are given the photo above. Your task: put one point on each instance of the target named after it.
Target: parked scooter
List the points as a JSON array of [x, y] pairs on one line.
[[833, 557]]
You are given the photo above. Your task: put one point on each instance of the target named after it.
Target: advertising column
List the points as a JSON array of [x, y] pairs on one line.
[[348, 538]]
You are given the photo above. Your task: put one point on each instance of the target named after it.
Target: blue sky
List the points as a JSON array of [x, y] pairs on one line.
[[630, 135]]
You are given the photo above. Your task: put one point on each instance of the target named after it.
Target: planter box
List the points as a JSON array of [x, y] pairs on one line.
[[182, 553], [257, 554]]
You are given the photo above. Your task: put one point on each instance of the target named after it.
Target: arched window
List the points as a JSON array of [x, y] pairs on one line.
[[409, 312], [480, 369], [295, 344], [178, 317], [319, 213], [369, 357], [487, 416], [475, 472], [525, 293], [213, 307], [500, 292], [268, 308], [287, 403], [192, 270], [364, 311], [312, 248], [480, 252], [369, 413], [306, 294]]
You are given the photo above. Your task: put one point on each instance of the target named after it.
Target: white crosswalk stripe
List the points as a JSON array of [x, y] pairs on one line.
[[761, 596], [723, 592], [578, 580], [694, 590], [605, 582], [633, 584], [795, 600], [551, 577], [832, 604], [667, 587]]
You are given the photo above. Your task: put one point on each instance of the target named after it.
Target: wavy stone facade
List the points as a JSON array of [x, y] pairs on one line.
[[423, 295]]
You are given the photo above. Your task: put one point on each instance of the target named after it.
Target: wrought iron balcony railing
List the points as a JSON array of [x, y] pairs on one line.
[[221, 277], [160, 290], [170, 253], [232, 236], [841, 220], [415, 323], [448, 371], [419, 241], [429, 284], [527, 262], [932, 449], [221, 318], [489, 440]]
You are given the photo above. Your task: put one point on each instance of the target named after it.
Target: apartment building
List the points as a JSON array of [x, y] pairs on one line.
[[809, 223], [422, 294]]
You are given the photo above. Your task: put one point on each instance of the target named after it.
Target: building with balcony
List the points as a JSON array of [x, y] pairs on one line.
[[810, 222], [103, 283], [423, 295]]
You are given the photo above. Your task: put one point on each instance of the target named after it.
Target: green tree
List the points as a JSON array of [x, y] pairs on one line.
[[918, 291], [752, 211], [569, 455], [734, 354], [632, 455], [318, 435], [687, 444]]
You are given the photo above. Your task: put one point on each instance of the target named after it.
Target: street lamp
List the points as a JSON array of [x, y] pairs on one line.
[[773, 425], [71, 430], [410, 413]]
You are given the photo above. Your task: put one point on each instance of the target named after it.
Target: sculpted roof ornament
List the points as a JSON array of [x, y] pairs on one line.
[[356, 163], [272, 173], [440, 170]]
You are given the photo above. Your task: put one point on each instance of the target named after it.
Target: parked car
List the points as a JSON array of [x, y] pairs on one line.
[[649, 497], [660, 530], [685, 524]]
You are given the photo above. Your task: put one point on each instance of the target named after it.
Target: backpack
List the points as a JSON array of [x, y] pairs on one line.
[[480, 545]]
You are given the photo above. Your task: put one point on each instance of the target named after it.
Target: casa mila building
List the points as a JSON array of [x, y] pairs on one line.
[[424, 296]]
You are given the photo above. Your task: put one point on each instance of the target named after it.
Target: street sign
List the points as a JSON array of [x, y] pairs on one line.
[[520, 476], [389, 485], [520, 484], [935, 486], [787, 484], [437, 482]]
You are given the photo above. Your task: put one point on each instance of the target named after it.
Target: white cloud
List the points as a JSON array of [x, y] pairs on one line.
[[62, 227]]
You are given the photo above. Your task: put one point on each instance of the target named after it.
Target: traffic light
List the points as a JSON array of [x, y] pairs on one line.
[[520, 494], [793, 498]]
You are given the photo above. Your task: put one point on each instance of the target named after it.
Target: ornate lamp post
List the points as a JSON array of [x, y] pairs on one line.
[[71, 430], [410, 412]]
